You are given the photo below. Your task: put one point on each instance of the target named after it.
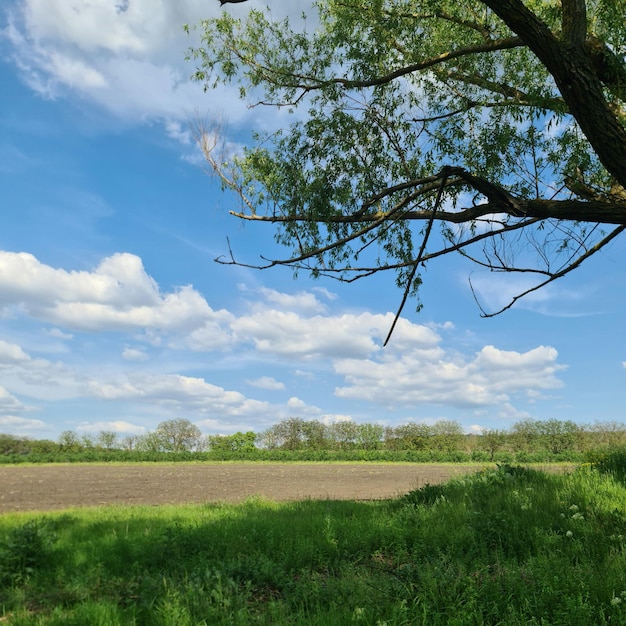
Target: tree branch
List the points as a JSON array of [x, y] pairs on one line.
[[606, 212], [614, 233], [445, 173]]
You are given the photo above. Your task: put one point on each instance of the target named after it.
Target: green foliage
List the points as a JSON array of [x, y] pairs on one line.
[[295, 439], [391, 95], [26, 549], [177, 435], [506, 546], [238, 443], [612, 461]]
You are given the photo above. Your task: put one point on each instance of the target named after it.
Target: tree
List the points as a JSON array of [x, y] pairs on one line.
[[150, 442], [370, 436], [525, 435], [107, 439], [68, 440], [178, 435], [344, 434], [413, 436], [447, 435], [559, 436], [493, 440], [315, 435], [238, 442], [501, 121], [287, 434]]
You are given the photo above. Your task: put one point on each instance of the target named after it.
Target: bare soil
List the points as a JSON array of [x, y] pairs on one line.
[[47, 487]]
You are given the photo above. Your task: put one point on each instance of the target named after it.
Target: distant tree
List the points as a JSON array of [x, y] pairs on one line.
[[502, 121], [129, 442], [524, 435], [314, 435], [69, 440], [10, 444], [288, 434], [343, 434], [559, 436], [369, 436], [269, 439], [606, 433], [238, 442], [43, 446], [413, 436], [178, 435], [86, 440], [493, 440], [447, 435], [107, 439], [150, 442]]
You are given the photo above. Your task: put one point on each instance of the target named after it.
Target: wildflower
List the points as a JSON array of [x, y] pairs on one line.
[[569, 534], [573, 508], [578, 516], [358, 615], [615, 601]]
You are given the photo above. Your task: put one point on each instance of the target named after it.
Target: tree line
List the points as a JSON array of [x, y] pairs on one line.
[[299, 439]]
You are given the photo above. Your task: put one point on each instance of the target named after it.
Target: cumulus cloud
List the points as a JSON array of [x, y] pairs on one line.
[[117, 426], [303, 302], [266, 382], [119, 295], [11, 354], [134, 354], [127, 57], [59, 334], [20, 425], [116, 295], [9, 404], [175, 393], [37, 378], [289, 334], [425, 377]]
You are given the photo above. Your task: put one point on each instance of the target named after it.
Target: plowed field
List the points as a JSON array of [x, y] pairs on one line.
[[46, 487]]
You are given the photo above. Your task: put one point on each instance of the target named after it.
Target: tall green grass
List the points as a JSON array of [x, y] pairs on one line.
[[509, 546]]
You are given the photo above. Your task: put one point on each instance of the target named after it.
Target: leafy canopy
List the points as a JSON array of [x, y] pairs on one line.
[[494, 129]]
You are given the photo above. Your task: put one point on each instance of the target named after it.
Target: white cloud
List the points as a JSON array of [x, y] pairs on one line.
[[303, 302], [9, 404], [301, 408], [37, 378], [266, 382], [425, 377], [128, 58], [119, 295], [20, 425], [118, 426], [174, 392], [134, 354], [11, 353], [289, 334], [59, 334], [116, 295], [334, 418]]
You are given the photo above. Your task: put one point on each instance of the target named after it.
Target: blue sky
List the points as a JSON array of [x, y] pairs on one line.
[[114, 315]]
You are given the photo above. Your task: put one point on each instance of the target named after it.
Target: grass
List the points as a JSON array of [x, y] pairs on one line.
[[507, 546]]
